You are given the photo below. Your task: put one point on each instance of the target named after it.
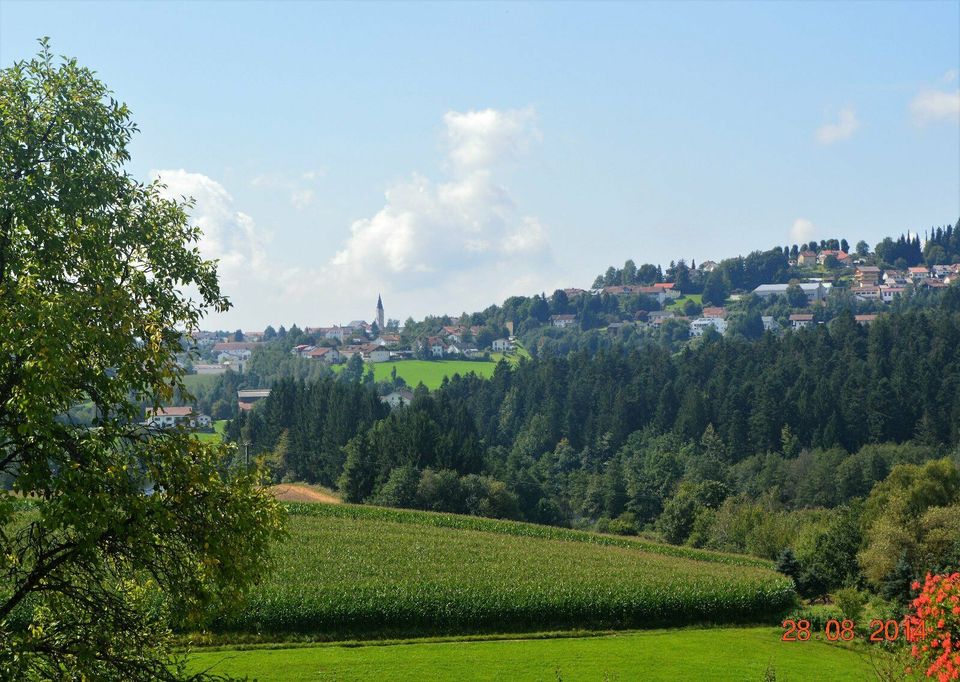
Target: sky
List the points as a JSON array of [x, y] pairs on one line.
[[450, 155]]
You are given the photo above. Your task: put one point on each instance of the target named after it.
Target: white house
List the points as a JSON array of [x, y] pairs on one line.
[[699, 326], [815, 291], [397, 398], [769, 323], [379, 355], [170, 417], [801, 320], [331, 355], [501, 345], [563, 321]]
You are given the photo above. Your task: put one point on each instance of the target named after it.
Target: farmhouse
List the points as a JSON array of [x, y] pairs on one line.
[[807, 258], [170, 417], [397, 398], [246, 397], [801, 320], [330, 355]]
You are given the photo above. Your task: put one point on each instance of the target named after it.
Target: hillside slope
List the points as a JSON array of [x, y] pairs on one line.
[[354, 570]]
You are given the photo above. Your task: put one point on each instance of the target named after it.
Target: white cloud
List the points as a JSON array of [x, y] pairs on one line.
[[429, 232], [479, 139], [802, 231], [846, 125], [459, 243], [950, 76], [935, 105]]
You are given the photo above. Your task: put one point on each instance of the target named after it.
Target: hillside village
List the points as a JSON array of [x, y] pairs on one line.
[[791, 305]]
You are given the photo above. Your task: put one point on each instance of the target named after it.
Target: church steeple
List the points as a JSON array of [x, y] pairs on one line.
[[379, 313]]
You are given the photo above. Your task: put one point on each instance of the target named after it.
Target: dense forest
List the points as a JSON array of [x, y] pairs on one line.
[[731, 443]]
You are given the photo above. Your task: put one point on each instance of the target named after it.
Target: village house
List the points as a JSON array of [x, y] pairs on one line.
[[868, 293], [887, 294], [801, 320], [700, 325], [328, 355], [171, 417], [573, 293], [714, 312], [669, 289], [397, 398], [865, 320], [843, 258], [563, 321], [233, 350], [816, 292], [807, 258], [867, 275], [770, 324], [708, 266], [918, 273], [246, 397], [208, 369]]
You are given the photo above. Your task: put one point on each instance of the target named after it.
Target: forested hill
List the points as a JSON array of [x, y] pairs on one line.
[[722, 406]]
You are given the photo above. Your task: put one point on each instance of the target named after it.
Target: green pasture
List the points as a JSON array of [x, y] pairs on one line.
[[429, 372], [680, 654]]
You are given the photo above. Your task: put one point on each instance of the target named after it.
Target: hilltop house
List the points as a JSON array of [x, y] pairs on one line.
[[563, 321], [699, 326], [502, 345], [397, 398]]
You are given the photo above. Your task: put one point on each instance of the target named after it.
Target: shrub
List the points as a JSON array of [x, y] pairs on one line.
[[937, 608]]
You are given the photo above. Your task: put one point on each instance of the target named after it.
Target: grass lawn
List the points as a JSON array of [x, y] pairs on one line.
[[216, 436], [686, 654], [430, 372], [678, 303], [200, 382]]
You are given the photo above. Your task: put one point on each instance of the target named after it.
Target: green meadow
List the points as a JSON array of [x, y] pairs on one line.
[[680, 654], [429, 372]]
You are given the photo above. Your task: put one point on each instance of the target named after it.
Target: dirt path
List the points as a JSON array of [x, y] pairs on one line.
[[293, 492]]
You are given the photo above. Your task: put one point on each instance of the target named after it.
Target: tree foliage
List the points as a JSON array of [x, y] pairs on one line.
[[123, 524]]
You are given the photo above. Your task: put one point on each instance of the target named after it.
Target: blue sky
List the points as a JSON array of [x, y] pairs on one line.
[[448, 155]]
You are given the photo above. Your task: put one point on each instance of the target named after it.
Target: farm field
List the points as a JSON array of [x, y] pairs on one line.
[[197, 383], [216, 436], [683, 654], [430, 372], [355, 571]]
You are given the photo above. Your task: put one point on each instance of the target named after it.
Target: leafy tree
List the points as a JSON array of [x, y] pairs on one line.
[[863, 249], [795, 296], [91, 267]]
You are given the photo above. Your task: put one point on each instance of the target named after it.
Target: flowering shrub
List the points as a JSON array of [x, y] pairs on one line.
[[936, 622]]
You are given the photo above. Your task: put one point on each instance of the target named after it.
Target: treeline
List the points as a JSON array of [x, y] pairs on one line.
[[834, 386]]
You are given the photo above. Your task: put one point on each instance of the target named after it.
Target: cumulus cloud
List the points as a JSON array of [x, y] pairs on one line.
[[479, 139], [846, 125], [935, 105], [255, 283], [429, 230], [802, 231], [436, 246]]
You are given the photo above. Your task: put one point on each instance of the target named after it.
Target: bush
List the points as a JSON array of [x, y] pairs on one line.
[[850, 601]]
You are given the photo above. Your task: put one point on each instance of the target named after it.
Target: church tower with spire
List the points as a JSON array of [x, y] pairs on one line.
[[379, 313]]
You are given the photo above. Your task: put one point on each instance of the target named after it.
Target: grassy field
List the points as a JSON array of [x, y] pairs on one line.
[[686, 654], [363, 571], [430, 372], [677, 304], [217, 435], [199, 383]]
